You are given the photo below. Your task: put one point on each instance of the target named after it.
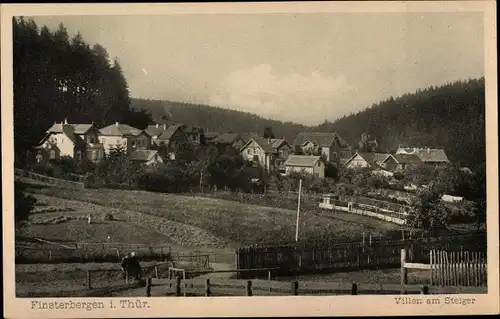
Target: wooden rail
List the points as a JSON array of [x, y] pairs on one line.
[[47, 179], [234, 287]]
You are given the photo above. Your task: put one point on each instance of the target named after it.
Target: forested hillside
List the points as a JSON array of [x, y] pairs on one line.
[[215, 119], [450, 116], [56, 77]]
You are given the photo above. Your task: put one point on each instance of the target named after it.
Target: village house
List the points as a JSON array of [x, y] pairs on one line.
[[270, 153], [229, 139], [366, 160], [330, 145], [195, 135], [428, 156], [401, 162], [169, 136], [146, 157], [305, 164], [78, 141], [125, 136], [210, 136]]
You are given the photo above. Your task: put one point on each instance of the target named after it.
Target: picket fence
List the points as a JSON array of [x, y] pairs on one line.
[[460, 268], [304, 258]]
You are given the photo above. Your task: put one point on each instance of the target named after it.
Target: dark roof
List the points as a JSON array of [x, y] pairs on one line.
[[77, 128], [407, 158], [143, 155], [169, 132], [66, 129], [226, 138], [211, 135], [320, 139], [431, 155], [247, 136], [156, 129], [118, 129], [302, 160], [265, 144]]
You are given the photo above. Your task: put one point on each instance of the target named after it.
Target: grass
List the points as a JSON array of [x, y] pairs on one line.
[[232, 222]]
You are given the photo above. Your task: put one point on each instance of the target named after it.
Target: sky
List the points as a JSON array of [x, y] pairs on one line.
[[306, 67]]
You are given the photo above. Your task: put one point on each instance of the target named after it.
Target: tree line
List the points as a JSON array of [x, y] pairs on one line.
[[57, 77]]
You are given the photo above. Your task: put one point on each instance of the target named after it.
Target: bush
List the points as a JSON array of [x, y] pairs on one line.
[[108, 216]]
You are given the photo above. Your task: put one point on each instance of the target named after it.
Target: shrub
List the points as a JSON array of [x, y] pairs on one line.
[[108, 216]]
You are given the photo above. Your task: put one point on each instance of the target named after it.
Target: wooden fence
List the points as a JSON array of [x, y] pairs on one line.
[[460, 268], [234, 287], [47, 179], [89, 252], [301, 258]]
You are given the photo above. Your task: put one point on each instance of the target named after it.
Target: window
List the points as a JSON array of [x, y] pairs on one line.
[[124, 142], [79, 155], [52, 154], [334, 154], [255, 151], [94, 155], [256, 158], [249, 151]]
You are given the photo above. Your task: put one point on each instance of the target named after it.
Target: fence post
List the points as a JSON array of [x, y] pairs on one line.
[[295, 288], [354, 289], [177, 286], [88, 280], [237, 261], [431, 266], [424, 290], [207, 287], [156, 271], [148, 286], [404, 271], [249, 288]]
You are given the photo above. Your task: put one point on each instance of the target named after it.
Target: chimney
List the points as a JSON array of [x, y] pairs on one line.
[[268, 140], [65, 121], [164, 126], [117, 124], [157, 125]]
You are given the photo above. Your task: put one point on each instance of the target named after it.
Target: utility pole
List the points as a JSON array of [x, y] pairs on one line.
[[298, 213], [201, 181]]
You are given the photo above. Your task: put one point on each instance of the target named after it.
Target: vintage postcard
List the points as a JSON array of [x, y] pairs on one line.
[[270, 159]]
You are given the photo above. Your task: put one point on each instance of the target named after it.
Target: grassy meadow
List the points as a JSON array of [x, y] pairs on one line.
[[222, 223]]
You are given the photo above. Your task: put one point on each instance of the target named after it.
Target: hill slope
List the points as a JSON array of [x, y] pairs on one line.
[[451, 116], [215, 119]]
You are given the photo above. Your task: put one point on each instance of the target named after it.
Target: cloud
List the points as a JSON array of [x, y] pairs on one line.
[[307, 99]]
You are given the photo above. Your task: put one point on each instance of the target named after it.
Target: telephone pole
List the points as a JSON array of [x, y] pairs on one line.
[[298, 213]]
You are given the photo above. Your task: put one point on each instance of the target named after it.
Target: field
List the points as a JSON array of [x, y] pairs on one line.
[[184, 223]]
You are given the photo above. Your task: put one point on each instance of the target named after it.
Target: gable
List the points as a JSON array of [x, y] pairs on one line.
[[251, 144]]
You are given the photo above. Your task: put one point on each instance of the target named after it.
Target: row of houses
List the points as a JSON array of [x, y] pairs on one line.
[[86, 141], [310, 152]]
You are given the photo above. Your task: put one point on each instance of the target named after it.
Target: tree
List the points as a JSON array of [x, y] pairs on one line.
[[23, 203], [268, 133], [56, 77]]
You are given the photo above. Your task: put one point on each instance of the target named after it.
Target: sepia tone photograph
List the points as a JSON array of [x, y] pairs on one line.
[[271, 154]]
